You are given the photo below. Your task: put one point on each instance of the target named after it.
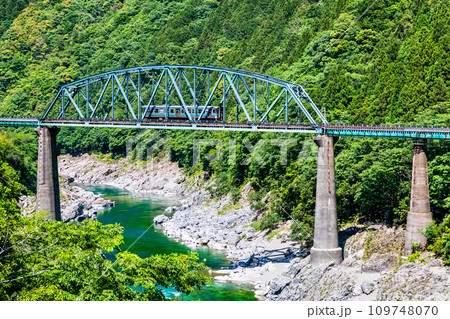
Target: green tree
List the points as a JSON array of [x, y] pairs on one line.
[[49, 260]]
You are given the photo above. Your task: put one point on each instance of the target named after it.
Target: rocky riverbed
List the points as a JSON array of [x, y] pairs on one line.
[[76, 203], [200, 220], [373, 268]]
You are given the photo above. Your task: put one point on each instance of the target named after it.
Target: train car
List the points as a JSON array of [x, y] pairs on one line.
[[177, 112]]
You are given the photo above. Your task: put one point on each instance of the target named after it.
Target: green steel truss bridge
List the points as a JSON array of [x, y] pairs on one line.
[[196, 97]]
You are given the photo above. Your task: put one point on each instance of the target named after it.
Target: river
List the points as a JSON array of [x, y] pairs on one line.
[[135, 212]]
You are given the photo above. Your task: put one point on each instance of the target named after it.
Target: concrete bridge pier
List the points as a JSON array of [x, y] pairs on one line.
[[419, 215], [325, 248], [48, 183]]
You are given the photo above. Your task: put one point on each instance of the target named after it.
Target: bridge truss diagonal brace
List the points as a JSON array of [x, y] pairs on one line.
[[285, 107], [169, 90], [228, 88], [52, 104], [209, 98], [62, 113], [136, 89], [250, 94], [74, 103], [100, 98], [180, 96], [130, 108], [272, 105], [152, 97], [190, 87], [114, 97], [304, 110], [236, 93], [310, 101], [86, 99]]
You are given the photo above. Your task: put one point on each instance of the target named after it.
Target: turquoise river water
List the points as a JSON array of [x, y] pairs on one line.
[[135, 212]]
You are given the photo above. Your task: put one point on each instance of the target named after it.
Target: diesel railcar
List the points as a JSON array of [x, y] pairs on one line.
[[177, 112]]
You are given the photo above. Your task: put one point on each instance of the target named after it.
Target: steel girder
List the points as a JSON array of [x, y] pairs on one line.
[[133, 94], [388, 131], [331, 130]]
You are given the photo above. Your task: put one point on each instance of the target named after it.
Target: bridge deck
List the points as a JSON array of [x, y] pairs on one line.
[[331, 130]]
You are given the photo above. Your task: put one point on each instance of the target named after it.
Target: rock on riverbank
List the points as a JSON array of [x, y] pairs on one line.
[[219, 224], [76, 203], [372, 270], [157, 177]]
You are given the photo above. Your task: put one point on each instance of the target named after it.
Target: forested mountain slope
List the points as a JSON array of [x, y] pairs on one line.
[[371, 62], [391, 64]]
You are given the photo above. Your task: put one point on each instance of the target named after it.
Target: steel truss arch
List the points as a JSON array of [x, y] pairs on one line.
[[189, 95]]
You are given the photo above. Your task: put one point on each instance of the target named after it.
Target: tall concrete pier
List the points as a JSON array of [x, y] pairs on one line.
[[419, 215], [48, 183], [325, 248]]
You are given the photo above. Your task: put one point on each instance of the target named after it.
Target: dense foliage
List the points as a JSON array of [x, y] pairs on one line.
[[389, 64], [438, 237], [49, 260], [18, 152], [9, 10]]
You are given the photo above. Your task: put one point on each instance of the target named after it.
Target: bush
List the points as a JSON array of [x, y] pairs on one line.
[[269, 221], [303, 231], [438, 237], [414, 256]]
